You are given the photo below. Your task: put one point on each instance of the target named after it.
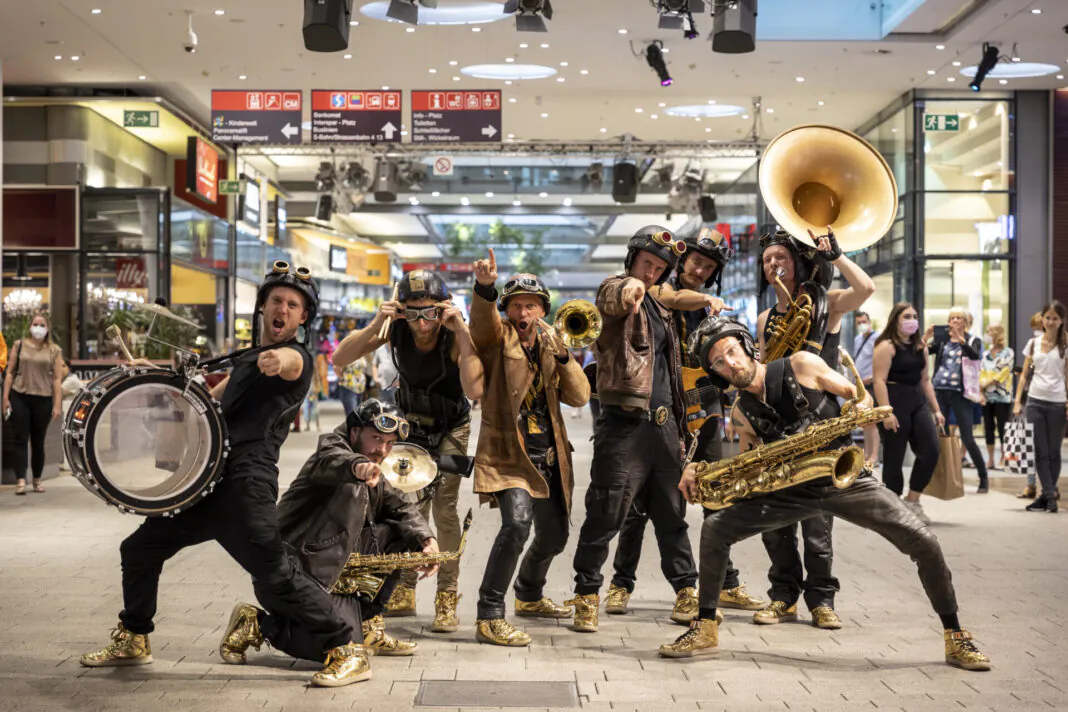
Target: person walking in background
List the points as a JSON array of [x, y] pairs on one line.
[[996, 384], [949, 382], [352, 383], [384, 373], [1047, 401], [900, 381], [863, 352], [33, 397], [1028, 492]]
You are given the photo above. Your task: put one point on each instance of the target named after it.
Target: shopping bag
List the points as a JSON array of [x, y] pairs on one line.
[[947, 482], [1019, 446], [970, 371]]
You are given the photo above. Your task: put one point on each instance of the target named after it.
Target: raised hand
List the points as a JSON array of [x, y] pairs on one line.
[[388, 311], [368, 473], [451, 316], [486, 270], [827, 245], [632, 295]]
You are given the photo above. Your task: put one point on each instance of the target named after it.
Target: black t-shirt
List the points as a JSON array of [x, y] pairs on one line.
[[535, 423], [259, 411], [661, 395]]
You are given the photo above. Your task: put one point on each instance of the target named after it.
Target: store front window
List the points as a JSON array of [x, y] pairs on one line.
[[979, 286], [967, 223], [974, 157]]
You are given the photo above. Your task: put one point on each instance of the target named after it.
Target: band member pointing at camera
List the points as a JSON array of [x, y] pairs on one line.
[[438, 371], [523, 461]]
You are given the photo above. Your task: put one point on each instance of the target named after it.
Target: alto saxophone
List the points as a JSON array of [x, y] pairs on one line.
[[365, 573], [792, 460]]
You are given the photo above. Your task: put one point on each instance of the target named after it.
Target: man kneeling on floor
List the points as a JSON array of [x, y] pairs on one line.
[[341, 503]]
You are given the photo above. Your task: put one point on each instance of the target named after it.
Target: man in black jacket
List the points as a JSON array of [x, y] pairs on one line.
[[338, 504]]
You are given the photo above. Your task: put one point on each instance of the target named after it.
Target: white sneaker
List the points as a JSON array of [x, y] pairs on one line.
[[917, 509]]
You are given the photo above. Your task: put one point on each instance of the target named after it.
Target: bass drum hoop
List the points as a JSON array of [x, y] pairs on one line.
[[80, 429]]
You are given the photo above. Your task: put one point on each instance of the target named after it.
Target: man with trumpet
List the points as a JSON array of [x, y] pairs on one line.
[[339, 504], [699, 268], [795, 269], [784, 401], [438, 371], [639, 437], [523, 460]]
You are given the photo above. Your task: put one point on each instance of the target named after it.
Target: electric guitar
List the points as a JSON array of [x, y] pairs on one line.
[[698, 396]]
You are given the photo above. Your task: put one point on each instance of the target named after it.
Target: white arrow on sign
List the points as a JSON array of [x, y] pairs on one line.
[[388, 130], [289, 130], [489, 131]]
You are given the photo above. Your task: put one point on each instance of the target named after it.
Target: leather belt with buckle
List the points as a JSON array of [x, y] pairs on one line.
[[546, 458], [660, 415]]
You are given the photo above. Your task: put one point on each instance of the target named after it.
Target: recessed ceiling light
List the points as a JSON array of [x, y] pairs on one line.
[[58, 56], [413, 200], [603, 130], [745, 116], [560, 79], [956, 64], [465, 201], [508, 82], [509, 59], [820, 103], [348, 56], [638, 110], [385, 88], [698, 119], [622, 32], [1003, 81], [511, 100], [509, 71], [706, 110], [654, 116], [584, 72], [544, 116], [456, 79], [931, 72], [409, 29], [489, 193], [708, 130], [1060, 76], [665, 50], [476, 29], [96, 11], [953, 79], [711, 101], [453, 62], [142, 77], [771, 111], [436, 194], [661, 105], [243, 76], [567, 202], [1015, 59], [940, 47], [544, 45], [523, 45], [75, 58], [433, 71], [220, 12], [543, 195], [799, 79], [354, 23], [1016, 70], [563, 64], [511, 135], [1036, 11], [516, 203]]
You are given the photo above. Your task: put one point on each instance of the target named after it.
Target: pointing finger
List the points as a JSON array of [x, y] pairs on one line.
[[492, 259]]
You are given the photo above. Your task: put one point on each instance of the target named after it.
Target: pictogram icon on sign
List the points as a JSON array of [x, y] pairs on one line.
[[456, 100], [491, 100], [474, 101], [337, 100], [437, 100], [443, 166], [291, 101], [356, 100], [254, 100], [374, 100], [273, 100]]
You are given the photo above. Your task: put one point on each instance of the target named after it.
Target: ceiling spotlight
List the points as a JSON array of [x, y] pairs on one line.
[[593, 178], [655, 58], [220, 12], [326, 178], [673, 13], [530, 15], [386, 183], [142, 77], [408, 10], [96, 11], [989, 61], [734, 27], [354, 176]]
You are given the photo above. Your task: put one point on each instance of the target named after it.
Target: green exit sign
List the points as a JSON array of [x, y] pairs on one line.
[[230, 187], [941, 122], [140, 119]]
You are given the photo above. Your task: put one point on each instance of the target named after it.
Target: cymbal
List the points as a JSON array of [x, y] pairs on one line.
[[166, 313], [409, 467]]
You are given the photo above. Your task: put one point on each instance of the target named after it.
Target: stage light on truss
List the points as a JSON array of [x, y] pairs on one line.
[[530, 15], [673, 13], [408, 10]]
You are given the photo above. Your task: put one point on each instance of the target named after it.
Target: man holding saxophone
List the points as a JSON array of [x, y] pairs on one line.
[[523, 459], [776, 403]]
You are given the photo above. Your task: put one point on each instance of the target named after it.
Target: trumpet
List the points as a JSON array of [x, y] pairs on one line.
[[789, 334], [578, 323]]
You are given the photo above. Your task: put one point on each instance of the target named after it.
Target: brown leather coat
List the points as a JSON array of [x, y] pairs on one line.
[[501, 460]]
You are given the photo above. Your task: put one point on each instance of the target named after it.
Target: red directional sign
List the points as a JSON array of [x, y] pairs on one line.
[[349, 116], [256, 116], [456, 116]]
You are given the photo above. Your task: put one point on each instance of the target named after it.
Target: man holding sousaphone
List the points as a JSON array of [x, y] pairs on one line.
[[523, 461]]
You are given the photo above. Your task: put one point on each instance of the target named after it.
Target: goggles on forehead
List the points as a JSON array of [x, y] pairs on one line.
[[427, 313], [526, 284], [666, 239], [389, 423], [282, 267]]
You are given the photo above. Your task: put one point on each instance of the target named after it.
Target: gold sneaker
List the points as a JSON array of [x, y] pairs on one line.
[[127, 648], [401, 603], [825, 617], [776, 612], [344, 665], [545, 608], [701, 639], [686, 606], [617, 600], [961, 651], [446, 619], [241, 632], [586, 608], [379, 642], [738, 598], [498, 631]]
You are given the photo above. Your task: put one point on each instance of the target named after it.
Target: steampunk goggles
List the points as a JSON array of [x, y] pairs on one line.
[[389, 423], [427, 313], [282, 267], [666, 239], [521, 284]]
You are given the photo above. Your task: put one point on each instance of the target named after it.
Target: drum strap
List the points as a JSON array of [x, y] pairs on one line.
[[224, 363]]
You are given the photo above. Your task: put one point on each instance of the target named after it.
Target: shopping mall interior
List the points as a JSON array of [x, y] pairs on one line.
[[159, 157]]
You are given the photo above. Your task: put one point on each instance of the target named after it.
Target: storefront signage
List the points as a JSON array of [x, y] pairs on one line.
[[130, 273], [941, 122], [339, 259], [202, 170], [456, 116], [140, 119], [356, 116], [231, 187], [256, 116]]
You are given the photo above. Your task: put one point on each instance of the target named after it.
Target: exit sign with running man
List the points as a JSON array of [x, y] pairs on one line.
[[941, 122]]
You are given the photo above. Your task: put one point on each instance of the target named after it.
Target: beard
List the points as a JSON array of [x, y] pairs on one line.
[[742, 379]]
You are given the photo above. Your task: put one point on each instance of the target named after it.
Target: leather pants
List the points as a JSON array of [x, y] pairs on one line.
[[519, 512], [867, 503], [788, 576]]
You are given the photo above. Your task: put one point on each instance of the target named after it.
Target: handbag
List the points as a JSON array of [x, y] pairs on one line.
[[970, 370], [1019, 446], [947, 482]]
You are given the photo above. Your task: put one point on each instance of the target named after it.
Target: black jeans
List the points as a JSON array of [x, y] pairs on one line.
[[787, 575], [629, 547], [520, 511], [1048, 420], [241, 515], [962, 408], [30, 416], [288, 636], [867, 504], [916, 427], [628, 453], [995, 415]]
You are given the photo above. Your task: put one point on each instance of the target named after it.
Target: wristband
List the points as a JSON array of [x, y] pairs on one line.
[[835, 251]]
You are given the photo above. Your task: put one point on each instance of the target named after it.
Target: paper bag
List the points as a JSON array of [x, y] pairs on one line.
[[947, 482]]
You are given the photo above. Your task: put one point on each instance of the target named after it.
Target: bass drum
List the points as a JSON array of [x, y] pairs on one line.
[[146, 440]]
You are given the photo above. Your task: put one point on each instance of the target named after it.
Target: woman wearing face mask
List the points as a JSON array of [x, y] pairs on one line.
[[899, 379], [1047, 401], [33, 396], [997, 389]]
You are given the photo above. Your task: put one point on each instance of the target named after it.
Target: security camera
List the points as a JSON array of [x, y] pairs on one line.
[[190, 44]]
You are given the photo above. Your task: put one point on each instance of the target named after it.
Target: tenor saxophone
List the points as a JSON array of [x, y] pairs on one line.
[[365, 573]]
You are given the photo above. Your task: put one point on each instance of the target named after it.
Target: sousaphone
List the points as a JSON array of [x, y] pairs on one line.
[[813, 176]]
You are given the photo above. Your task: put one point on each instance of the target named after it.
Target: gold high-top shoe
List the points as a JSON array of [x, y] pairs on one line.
[[545, 608], [379, 642], [586, 609], [776, 612], [401, 603], [498, 631], [446, 619], [344, 665], [126, 648], [617, 601], [961, 651], [701, 639], [739, 599], [825, 617], [686, 606], [241, 632]]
